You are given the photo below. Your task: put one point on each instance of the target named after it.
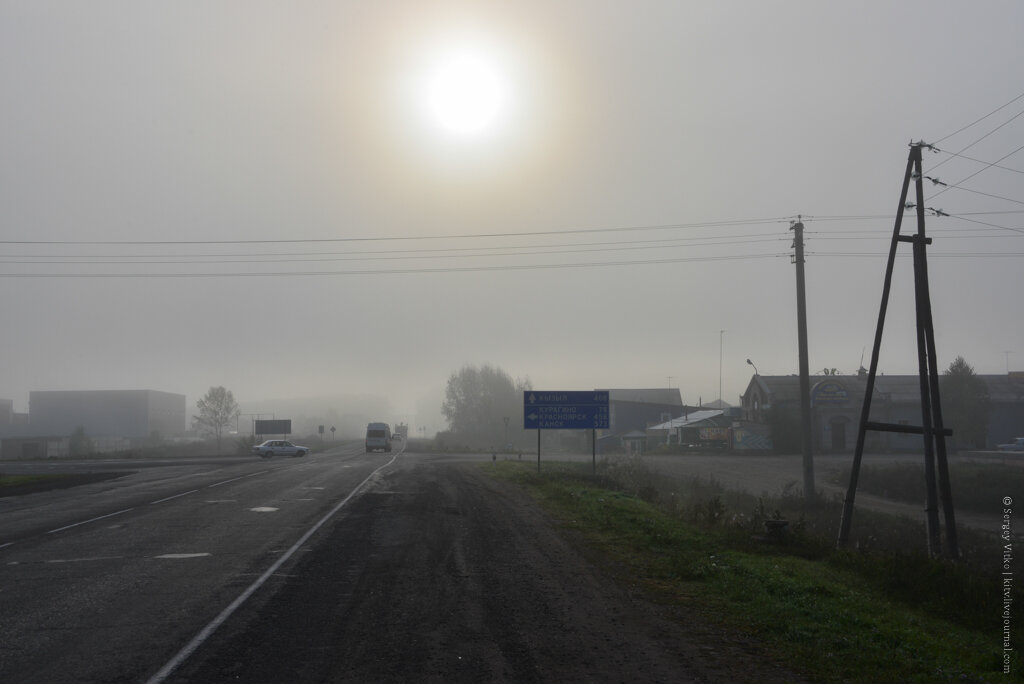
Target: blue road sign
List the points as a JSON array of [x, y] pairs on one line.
[[565, 410]]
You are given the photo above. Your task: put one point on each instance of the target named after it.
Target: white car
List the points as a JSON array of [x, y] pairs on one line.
[[1016, 445], [279, 447]]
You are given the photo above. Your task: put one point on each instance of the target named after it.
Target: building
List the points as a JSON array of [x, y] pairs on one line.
[[630, 413], [837, 402], [129, 414], [707, 429], [637, 409]]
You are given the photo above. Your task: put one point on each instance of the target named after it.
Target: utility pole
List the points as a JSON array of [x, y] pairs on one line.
[[933, 430], [805, 374]]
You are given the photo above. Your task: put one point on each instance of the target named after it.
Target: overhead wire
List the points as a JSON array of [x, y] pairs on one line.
[[672, 226], [454, 269], [268, 258], [977, 121]]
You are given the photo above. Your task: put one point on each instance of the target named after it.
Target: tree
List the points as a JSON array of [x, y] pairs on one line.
[[477, 403], [217, 410], [966, 406]]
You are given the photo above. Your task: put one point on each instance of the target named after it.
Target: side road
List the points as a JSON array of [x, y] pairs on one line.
[[440, 573]]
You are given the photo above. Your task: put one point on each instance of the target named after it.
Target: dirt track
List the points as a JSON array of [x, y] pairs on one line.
[[440, 574]]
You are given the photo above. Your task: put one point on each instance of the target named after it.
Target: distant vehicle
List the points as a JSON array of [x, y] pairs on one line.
[[279, 447], [378, 437], [1016, 445]]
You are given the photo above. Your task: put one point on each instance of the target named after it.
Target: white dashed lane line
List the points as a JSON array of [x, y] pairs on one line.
[[235, 479], [86, 522], [158, 501]]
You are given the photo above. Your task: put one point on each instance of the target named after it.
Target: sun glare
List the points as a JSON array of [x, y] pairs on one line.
[[465, 93]]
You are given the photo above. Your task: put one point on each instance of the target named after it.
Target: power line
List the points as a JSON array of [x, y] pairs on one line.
[[931, 254], [271, 259], [985, 168], [958, 152], [455, 252], [674, 226], [463, 269], [994, 111], [980, 161]]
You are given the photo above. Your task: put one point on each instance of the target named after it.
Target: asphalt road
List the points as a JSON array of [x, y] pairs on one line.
[[332, 568], [107, 582]]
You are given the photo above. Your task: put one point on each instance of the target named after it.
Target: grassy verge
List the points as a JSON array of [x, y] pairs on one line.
[[862, 616], [17, 480], [15, 485], [976, 486]]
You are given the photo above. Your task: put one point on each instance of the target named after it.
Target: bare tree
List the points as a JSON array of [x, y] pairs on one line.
[[217, 410], [479, 400]]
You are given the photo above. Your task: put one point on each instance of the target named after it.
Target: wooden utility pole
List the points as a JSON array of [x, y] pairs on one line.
[[932, 428], [805, 374]]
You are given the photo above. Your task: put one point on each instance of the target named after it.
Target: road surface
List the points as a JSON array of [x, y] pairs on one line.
[[337, 567]]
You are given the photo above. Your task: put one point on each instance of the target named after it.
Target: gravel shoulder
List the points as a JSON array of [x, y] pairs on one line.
[[440, 573]]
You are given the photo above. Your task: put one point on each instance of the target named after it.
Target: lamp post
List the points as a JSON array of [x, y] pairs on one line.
[[721, 335], [755, 367]]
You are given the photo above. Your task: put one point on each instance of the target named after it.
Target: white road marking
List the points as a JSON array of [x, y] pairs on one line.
[[85, 522], [235, 479], [264, 509], [83, 560], [176, 556], [153, 503], [214, 624], [4, 546]]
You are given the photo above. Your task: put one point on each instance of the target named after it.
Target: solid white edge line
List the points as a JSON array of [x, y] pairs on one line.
[[85, 522], [207, 631]]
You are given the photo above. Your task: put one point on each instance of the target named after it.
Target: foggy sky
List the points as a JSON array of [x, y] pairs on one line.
[[254, 123]]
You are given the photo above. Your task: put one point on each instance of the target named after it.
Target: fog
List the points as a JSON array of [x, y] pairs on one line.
[[254, 195]]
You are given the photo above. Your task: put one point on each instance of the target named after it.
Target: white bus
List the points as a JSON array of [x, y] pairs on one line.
[[378, 437]]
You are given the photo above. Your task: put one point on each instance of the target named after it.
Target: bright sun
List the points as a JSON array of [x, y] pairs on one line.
[[465, 93]]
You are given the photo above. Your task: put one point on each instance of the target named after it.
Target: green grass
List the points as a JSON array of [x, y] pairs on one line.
[[15, 480], [837, 616]]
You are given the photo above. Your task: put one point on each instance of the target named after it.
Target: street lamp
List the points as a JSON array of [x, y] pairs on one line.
[[721, 335], [755, 367]]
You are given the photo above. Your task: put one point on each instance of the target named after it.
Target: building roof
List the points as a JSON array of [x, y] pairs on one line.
[[669, 396], [690, 420], [716, 404]]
